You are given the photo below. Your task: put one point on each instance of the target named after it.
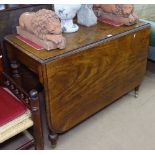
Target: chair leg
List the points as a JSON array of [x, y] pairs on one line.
[[36, 116], [53, 137], [15, 71]]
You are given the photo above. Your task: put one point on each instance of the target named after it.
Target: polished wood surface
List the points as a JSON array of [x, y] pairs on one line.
[[86, 36], [83, 83], [91, 72]]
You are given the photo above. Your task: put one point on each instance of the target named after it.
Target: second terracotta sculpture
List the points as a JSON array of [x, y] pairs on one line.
[[120, 13]]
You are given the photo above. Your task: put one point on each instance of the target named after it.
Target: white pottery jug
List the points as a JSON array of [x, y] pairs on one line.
[[66, 13]]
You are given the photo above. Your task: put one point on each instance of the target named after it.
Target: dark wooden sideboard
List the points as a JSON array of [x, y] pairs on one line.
[[99, 64]]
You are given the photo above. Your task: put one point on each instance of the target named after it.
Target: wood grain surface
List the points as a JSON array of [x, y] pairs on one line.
[[81, 84]]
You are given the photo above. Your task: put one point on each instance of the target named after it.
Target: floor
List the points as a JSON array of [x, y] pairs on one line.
[[129, 123]]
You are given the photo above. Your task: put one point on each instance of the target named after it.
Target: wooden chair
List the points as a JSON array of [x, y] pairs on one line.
[[11, 125]]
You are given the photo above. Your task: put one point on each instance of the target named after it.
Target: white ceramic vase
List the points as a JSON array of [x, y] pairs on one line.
[[66, 13]]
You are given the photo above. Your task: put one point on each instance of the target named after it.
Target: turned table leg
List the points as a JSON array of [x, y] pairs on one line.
[[136, 91], [36, 116], [53, 137]]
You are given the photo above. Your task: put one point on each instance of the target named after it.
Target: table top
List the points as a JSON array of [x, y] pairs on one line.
[[86, 37]]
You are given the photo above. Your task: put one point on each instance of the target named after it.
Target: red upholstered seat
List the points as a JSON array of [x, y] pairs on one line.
[[16, 115], [10, 107]]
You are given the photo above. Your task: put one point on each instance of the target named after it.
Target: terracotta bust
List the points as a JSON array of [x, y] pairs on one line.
[[122, 13], [45, 25]]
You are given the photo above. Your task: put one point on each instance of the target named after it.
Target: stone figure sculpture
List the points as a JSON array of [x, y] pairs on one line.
[[86, 16], [121, 13], [66, 13], [43, 28]]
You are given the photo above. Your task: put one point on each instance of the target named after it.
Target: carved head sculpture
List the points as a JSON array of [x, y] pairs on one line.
[[46, 22], [127, 9], [40, 23]]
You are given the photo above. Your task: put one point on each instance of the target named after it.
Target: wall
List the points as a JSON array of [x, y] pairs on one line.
[[145, 11]]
